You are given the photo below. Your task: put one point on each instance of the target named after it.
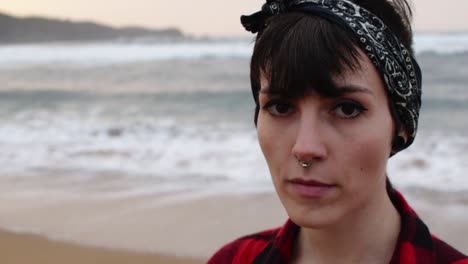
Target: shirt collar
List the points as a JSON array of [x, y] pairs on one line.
[[414, 241]]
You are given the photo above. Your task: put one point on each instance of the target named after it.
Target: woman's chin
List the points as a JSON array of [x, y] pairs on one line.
[[310, 216], [313, 221]]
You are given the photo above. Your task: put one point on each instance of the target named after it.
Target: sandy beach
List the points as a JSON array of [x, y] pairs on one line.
[[150, 228], [24, 248]]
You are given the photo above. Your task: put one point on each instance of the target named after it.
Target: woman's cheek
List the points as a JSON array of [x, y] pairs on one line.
[[372, 156], [274, 143], [265, 136]]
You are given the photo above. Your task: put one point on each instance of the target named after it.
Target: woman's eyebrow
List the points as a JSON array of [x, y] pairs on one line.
[[352, 88]]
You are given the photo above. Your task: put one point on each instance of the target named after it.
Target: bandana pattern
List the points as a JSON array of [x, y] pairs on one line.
[[398, 68]]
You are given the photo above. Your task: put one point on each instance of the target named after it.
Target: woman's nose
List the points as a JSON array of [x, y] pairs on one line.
[[310, 140]]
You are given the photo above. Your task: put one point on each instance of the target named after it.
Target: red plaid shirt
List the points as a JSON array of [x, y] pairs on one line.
[[415, 244]]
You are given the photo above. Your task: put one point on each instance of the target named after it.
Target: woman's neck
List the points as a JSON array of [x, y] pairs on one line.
[[369, 235]]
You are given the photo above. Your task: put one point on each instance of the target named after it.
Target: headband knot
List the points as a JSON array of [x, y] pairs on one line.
[[257, 21], [273, 8]]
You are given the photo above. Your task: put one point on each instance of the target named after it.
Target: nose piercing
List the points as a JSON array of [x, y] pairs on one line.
[[305, 164]]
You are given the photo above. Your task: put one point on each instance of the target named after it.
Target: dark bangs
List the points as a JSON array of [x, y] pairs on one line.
[[299, 53]]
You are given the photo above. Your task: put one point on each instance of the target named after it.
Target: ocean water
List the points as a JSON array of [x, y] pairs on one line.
[[127, 118]]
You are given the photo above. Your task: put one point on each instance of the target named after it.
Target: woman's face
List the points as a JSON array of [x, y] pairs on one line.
[[347, 139]]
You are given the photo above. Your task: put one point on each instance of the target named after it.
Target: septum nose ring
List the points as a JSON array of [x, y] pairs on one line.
[[305, 164]]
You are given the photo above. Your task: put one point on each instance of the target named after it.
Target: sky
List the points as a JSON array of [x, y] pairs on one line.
[[207, 17]]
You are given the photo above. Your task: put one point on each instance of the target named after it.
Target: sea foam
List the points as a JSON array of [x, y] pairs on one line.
[[92, 54]]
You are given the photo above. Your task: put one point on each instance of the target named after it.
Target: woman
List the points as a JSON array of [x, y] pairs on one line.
[[337, 92]]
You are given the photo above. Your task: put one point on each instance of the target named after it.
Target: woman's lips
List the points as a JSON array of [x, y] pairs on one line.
[[310, 188]]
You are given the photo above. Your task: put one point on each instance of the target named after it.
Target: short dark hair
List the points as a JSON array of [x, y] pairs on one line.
[[302, 51]]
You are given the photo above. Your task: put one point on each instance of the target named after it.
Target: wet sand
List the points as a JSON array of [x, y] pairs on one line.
[[173, 224], [24, 249]]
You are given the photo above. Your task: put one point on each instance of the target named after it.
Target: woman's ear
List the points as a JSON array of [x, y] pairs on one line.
[[399, 142]]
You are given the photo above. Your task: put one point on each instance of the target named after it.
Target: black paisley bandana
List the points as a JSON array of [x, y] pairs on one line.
[[397, 66]]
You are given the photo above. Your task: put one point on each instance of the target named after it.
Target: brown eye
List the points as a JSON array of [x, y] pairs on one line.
[[348, 110], [282, 108], [278, 108]]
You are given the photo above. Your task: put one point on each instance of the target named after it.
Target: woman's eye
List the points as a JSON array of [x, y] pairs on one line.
[[278, 108], [349, 110]]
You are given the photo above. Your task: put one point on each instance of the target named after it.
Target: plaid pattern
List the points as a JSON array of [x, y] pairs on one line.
[[415, 244]]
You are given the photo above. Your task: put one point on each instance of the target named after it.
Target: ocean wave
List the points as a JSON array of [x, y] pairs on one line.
[[170, 152], [448, 43], [96, 54], [93, 54]]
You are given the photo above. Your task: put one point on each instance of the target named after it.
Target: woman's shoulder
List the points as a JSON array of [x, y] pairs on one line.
[[447, 254], [244, 249]]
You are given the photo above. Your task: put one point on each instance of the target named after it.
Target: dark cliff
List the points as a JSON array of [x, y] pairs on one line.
[[37, 29]]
